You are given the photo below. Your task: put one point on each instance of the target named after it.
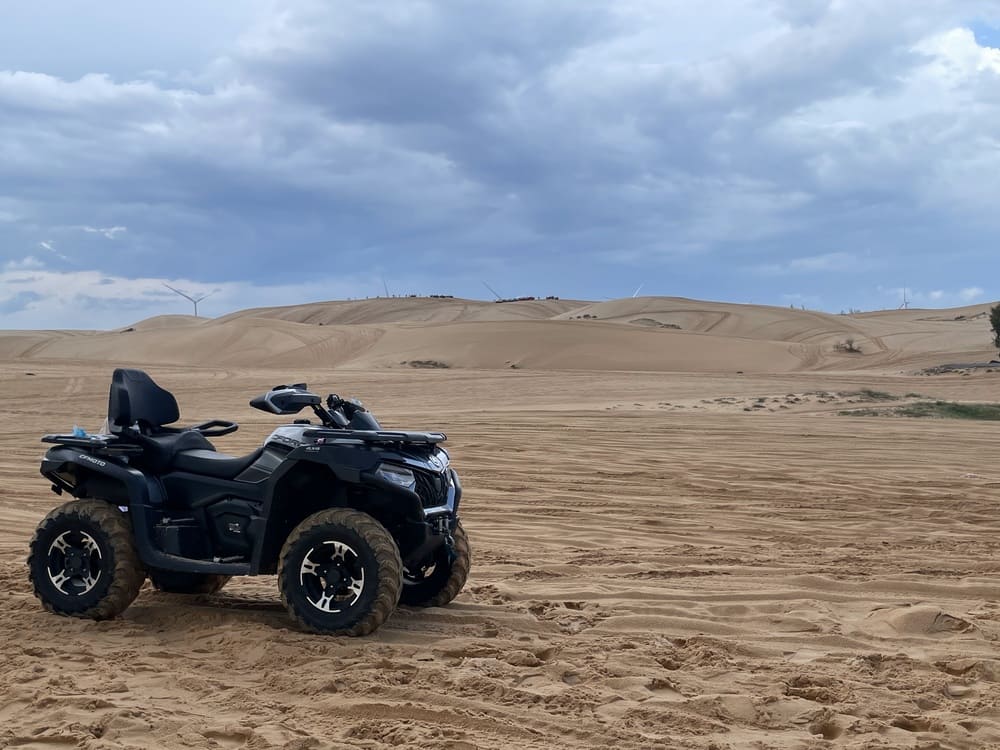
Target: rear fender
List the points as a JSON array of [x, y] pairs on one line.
[[84, 475], [103, 477]]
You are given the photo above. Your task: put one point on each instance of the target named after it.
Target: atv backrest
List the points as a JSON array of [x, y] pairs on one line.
[[134, 397]]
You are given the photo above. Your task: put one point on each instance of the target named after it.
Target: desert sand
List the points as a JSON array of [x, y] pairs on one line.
[[677, 540]]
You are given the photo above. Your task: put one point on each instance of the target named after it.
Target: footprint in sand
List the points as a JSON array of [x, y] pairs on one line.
[[915, 621]]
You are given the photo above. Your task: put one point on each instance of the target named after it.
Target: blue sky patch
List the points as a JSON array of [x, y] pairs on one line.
[[986, 34]]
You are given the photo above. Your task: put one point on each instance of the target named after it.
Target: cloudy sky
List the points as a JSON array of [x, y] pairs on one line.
[[822, 153]]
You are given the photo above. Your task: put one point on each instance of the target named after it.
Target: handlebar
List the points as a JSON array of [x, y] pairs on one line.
[[343, 412]]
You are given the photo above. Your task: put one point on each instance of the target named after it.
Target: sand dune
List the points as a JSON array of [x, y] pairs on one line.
[[947, 315], [570, 345], [886, 338], [411, 310], [649, 333], [167, 321], [218, 343], [545, 344]]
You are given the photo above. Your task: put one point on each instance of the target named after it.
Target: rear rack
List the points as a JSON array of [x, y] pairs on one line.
[[326, 436], [94, 443]]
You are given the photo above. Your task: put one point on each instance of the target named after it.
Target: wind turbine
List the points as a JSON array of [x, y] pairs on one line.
[[638, 289], [906, 301], [194, 300], [492, 290]]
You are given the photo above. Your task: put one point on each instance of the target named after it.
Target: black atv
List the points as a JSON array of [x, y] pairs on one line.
[[353, 518]]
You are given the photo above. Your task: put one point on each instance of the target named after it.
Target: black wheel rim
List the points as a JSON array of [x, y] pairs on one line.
[[332, 576], [74, 563], [416, 577]]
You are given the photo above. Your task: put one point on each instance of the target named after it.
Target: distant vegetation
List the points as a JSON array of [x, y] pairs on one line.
[[524, 299], [995, 325], [933, 410], [426, 364], [409, 296], [867, 394], [654, 323], [847, 346]]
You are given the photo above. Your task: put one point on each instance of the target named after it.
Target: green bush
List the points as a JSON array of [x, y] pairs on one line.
[[932, 410], [995, 325]]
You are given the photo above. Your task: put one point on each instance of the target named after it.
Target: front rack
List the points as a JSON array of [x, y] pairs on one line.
[[326, 436]]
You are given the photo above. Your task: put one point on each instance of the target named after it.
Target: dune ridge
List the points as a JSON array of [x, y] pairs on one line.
[[662, 334]]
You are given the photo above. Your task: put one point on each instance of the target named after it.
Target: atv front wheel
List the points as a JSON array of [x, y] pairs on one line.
[[340, 573], [174, 582], [82, 561], [439, 582]]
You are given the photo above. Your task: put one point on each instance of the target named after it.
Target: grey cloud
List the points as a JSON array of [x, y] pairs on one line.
[[466, 136]]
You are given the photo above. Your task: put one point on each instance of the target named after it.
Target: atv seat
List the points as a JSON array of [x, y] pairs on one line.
[[161, 450], [135, 401], [210, 463]]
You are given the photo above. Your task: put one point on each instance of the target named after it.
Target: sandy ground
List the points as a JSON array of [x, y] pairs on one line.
[[653, 568]]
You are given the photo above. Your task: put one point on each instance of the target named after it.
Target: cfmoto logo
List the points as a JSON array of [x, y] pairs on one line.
[[92, 460]]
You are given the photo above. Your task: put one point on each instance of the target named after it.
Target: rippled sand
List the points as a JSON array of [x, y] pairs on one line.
[[655, 566]]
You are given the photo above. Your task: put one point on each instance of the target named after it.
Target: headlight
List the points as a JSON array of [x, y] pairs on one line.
[[397, 475], [439, 460]]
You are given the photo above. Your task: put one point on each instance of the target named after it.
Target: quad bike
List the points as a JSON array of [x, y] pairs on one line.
[[352, 518]]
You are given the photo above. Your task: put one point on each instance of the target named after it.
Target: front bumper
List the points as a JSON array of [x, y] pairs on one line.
[[452, 498], [426, 529]]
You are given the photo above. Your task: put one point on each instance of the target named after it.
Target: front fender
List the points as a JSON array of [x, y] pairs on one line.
[[405, 502], [309, 480], [351, 467]]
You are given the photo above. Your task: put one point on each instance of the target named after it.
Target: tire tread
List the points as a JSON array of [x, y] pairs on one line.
[[459, 572], [128, 574], [385, 550]]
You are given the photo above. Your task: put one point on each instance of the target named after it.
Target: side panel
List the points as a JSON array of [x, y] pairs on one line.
[[196, 491], [71, 470], [264, 466]]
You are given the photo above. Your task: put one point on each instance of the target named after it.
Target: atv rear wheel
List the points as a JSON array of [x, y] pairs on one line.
[[440, 581], [340, 573], [82, 561], [174, 582]]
